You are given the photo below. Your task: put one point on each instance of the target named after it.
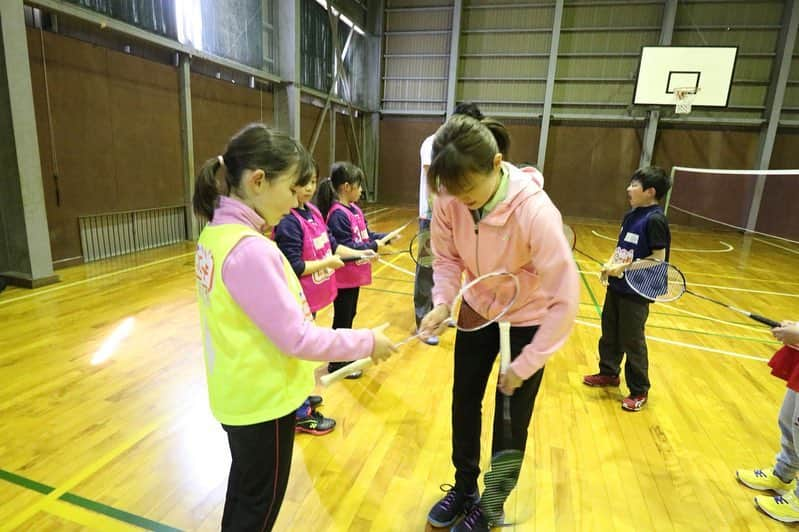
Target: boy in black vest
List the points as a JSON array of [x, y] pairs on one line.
[[644, 235]]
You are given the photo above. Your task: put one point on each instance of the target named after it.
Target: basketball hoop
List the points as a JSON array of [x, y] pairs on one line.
[[683, 99]]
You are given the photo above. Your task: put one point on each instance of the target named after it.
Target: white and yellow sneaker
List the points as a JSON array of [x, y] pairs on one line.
[[764, 480], [784, 508]]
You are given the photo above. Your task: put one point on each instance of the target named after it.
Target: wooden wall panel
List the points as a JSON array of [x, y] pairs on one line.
[[706, 148], [588, 168], [523, 141], [309, 116], [145, 127], [219, 110], [400, 140], [786, 150], [116, 133]]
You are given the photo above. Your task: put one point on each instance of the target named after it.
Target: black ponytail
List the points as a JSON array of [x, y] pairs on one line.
[[206, 190], [255, 147], [325, 196], [500, 134], [340, 173]]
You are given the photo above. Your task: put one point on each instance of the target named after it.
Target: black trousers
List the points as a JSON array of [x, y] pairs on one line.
[[259, 473], [344, 308], [623, 324], [475, 353]]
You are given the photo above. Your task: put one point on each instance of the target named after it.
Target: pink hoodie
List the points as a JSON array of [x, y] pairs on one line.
[[254, 275], [523, 234]]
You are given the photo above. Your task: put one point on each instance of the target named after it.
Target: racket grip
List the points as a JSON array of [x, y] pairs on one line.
[[339, 374], [764, 320], [504, 346]]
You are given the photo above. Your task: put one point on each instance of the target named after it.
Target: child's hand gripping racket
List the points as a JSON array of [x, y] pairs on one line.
[[383, 348]]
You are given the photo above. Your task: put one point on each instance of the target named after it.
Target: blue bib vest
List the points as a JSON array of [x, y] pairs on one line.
[[633, 244]]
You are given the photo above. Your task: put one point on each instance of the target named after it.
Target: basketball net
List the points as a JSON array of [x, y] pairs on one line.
[[684, 100]]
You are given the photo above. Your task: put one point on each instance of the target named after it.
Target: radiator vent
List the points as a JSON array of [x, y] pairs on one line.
[[119, 233]]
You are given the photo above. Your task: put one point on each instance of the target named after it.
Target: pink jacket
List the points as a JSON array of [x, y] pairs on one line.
[[522, 235], [254, 275]]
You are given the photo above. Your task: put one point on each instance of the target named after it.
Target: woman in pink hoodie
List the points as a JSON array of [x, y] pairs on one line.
[[489, 216]]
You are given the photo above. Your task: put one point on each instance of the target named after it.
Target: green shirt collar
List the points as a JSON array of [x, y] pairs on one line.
[[500, 194]]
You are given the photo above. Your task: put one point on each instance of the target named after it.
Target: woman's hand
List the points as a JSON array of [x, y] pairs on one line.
[[384, 347], [434, 323], [509, 381]]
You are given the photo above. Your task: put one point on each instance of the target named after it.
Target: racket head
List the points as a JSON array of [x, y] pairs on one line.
[[421, 249], [485, 300], [500, 481], [571, 236], [655, 280]]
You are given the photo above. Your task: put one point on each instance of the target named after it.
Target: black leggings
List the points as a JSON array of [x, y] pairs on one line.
[[475, 353], [344, 308], [259, 473]]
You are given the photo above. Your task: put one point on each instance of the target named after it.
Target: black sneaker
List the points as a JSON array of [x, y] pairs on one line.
[[475, 521], [314, 423], [314, 401], [451, 506]]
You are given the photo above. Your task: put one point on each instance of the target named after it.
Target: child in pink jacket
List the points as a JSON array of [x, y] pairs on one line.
[[488, 217]]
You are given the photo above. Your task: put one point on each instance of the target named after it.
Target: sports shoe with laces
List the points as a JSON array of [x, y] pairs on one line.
[[784, 508], [633, 403], [764, 480], [474, 521], [451, 506], [601, 381], [315, 423]]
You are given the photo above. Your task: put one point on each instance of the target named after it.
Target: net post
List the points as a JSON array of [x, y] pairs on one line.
[[668, 194]]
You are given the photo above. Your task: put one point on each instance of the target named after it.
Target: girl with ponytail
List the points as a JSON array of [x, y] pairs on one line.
[[337, 200], [258, 335]]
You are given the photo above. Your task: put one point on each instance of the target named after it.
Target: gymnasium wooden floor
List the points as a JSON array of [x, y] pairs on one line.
[[105, 422]]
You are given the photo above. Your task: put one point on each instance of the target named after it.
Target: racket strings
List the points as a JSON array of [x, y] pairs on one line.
[[658, 281]]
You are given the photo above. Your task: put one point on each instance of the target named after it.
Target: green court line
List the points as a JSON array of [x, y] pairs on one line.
[[372, 288], [591, 293], [88, 504]]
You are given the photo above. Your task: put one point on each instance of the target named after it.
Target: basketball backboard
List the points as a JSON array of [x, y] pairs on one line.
[[663, 71]]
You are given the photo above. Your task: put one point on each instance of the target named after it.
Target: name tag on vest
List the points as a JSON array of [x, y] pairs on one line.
[[632, 238]]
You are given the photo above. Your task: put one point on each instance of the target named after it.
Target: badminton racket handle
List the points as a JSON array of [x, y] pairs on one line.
[[339, 374], [504, 346], [764, 320]]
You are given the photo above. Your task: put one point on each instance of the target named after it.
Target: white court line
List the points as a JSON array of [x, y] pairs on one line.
[[729, 247], [747, 232], [369, 213], [760, 329], [92, 279], [747, 290], [777, 246], [691, 346], [398, 268]]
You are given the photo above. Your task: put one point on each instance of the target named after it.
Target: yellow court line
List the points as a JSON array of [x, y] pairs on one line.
[[87, 518], [386, 263], [99, 277], [79, 477]]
